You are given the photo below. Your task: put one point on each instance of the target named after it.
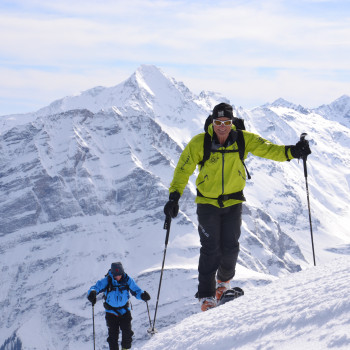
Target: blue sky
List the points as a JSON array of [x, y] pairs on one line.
[[252, 52]]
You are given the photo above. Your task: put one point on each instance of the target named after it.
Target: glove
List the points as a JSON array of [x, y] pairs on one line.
[[145, 296], [171, 208], [92, 297], [301, 149]]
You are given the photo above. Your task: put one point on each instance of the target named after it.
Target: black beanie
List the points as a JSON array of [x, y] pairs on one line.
[[222, 110], [117, 269]]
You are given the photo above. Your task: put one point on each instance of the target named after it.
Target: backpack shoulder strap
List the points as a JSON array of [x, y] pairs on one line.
[[110, 284], [122, 286], [238, 123], [206, 149], [109, 287], [207, 143], [241, 149], [240, 144], [125, 282]]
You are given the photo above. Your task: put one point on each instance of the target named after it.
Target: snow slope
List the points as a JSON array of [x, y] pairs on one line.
[[306, 310]]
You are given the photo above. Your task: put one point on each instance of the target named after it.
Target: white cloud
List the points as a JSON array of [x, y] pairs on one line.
[[28, 90], [80, 39], [247, 88]]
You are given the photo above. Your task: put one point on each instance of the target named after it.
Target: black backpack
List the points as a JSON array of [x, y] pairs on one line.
[[239, 124]]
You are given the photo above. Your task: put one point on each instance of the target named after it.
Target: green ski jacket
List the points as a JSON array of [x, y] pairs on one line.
[[222, 173]]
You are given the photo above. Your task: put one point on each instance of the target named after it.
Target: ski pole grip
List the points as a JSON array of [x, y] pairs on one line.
[[302, 138]]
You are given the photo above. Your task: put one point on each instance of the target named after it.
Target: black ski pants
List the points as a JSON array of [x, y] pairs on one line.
[[219, 231], [114, 323]]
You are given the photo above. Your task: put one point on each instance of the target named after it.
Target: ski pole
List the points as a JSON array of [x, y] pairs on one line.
[[167, 223], [149, 318], [302, 138], [93, 323]]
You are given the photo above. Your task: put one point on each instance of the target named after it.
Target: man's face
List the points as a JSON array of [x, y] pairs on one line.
[[222, 130], [117, 277]]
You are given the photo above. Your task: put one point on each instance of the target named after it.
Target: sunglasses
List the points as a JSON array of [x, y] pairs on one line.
[[218, 122]]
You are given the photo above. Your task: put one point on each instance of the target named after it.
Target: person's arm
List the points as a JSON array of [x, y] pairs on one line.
[[136, 291], [186, 165], [99, 286], [96, 289], [263, 148], [190, 157]]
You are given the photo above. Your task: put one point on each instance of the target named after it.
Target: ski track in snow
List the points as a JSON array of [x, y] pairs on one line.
[[306, 310]]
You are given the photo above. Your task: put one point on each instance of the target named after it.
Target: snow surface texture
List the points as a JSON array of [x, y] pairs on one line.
[[306, 310], [84, 181]]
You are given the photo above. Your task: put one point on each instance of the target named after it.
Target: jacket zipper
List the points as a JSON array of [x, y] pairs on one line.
[[223, 166]]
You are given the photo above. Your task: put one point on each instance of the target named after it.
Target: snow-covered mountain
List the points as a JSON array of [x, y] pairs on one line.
[[84, 181], [338, 111]]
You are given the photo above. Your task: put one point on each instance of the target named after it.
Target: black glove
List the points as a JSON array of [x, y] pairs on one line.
[[145, 296], [301, 149], [171, 208], [92, 297]]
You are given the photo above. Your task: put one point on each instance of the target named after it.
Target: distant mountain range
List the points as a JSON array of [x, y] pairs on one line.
[[84, 181]]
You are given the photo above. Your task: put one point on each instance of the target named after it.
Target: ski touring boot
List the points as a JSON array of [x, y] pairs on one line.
[[221, 288], [207, 303]]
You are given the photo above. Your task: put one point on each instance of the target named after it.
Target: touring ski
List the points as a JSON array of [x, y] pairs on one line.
[[230, 294]]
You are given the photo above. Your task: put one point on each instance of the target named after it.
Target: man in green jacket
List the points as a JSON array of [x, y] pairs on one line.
[[220, 185]]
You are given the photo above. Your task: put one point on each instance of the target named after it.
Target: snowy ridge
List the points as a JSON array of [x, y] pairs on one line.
[[306, 310], [286, 104], [84, 182], [340, 109]]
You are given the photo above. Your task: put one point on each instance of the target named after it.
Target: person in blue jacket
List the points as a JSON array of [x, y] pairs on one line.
[[116, 286]]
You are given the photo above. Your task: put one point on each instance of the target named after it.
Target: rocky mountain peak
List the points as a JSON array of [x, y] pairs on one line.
[[338, 110]]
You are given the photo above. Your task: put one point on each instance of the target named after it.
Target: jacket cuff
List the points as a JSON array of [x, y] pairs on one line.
[[174, 196], [288, 152]]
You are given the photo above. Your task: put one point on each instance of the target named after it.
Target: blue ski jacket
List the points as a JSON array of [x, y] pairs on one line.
[[116, 300]]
